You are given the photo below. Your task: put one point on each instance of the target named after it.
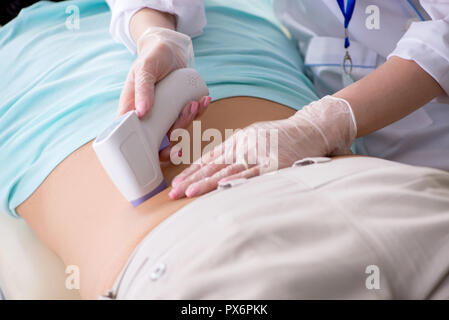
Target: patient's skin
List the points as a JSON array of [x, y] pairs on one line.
[[80, 215]]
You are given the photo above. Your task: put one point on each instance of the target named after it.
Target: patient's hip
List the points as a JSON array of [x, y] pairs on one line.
[[351, 228]]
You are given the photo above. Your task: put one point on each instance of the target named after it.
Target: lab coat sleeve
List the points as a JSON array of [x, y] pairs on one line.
[[190, 17], [427, 43]]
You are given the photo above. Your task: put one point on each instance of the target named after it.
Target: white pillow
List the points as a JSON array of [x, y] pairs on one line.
[[28, 270]]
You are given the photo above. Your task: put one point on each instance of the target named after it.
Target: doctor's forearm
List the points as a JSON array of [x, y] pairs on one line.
[[146, 18], [389, 93]]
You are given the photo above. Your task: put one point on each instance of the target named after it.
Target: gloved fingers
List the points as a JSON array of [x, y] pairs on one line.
[[160, 51], [204, 161], [194, 167], [225, 152], [189, 113], [170, 152], [164, 164], [216, 159], [144, 90], [185, 117], [200, 173], [211, 183], [204, 104], [165, 154], [126, 102], [246, 174]]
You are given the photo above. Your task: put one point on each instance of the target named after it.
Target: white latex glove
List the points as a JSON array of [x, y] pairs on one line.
[[160, 51], [323, 128]]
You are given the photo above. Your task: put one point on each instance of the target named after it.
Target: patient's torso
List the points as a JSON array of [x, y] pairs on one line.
[[81, 216], [71, 87], [76, 209]]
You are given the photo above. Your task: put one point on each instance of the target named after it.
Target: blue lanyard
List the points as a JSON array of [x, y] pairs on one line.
[[347, 13], [349, 10], [416, 10]]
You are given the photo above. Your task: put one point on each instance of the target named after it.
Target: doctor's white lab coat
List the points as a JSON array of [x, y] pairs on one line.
[[411, 29]]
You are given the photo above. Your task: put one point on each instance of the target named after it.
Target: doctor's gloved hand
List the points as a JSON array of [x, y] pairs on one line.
[[160, 51], [323, 128], [189, 113]]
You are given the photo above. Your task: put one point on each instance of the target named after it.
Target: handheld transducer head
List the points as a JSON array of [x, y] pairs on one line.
[[128, 148]]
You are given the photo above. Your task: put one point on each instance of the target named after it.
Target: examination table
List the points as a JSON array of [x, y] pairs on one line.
[[28, 270]]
